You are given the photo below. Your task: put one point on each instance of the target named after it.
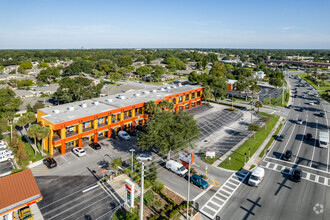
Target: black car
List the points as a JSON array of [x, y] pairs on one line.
[[287, 156], [289, 106], [309, 136], [281, 137], [302, 109], [96, 146], [296, 175], [322, 114], [50, 162]]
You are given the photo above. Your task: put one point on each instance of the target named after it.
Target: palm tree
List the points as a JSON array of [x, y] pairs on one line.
[[151, 107], [163, 105], [258, 104], [116, 163], [22, 121], [31, 117], [43, 132], [32, 133]]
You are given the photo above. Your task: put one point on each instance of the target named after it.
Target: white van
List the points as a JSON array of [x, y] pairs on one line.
[[257, 176], [6, 155], [176, 167]]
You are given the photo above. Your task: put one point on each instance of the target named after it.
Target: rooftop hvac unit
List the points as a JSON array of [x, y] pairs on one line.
[[71, 108], [108, 100], [96, 102], [137, 94], [56, 111], [84, 105], [146, 92]]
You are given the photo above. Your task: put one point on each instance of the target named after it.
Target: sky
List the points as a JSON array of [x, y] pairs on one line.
[[66, 24]]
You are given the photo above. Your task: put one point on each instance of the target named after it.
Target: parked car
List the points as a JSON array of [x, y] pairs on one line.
[[299, 121], [176, 167], [287, 156], [50, 162], [309, 136], [257, 176], [144, 157], [96, 146], [3, 144], [25, 213], [289, 106], [311, 103], [79, 151], [322, 114], [302, 109], [199, 181], [302, 96], [296, 175], [124, 135], [281, 137], [6, 155]]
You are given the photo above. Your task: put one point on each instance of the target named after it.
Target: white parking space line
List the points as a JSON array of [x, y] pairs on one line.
[[64, 158], [326, 120], [75, 155], [301, 142]]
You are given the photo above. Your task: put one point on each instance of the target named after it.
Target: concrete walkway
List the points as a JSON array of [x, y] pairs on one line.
[[36, 212], [254, 160]]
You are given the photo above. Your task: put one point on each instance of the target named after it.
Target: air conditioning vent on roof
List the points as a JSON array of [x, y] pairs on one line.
[[70, 108], [137, 94], [96, 102], [108, 100], [84, 105], [56, 111], [146, 92]]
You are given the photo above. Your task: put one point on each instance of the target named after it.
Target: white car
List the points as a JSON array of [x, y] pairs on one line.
[[311, 103], [79, 151], [144, 157], [3, 144], [124, 135], [299, 121]]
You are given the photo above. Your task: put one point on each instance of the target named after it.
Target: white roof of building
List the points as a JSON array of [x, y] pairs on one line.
[[62, 113]]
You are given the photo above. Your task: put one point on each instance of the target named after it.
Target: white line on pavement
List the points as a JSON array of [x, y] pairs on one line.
[[90, 188], [288, 140], [64, 158], [314, 144], [326, 119], [301, 141]]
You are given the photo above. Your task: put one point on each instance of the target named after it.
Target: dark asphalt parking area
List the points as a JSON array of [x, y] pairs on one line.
[[6, 166], [63, 198]]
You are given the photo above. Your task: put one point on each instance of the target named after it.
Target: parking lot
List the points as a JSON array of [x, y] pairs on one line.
[[6, 166]]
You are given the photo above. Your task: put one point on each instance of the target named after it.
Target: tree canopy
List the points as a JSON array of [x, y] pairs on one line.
[[143, 71], [77, 89], [8, 101], [43, 65], [167, 131], [79, 66], [48, 75]]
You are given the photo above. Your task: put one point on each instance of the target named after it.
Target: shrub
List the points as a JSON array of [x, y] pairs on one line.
[[154, 217], [204, 177], [147, 184], [149, 197], [158, 203], [193, 171], [158, 186]]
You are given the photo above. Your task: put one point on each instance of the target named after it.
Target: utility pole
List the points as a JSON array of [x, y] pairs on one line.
[[11, 131], [251, 111], [132, 150], [189, 158], [141, 197], [283, 93]]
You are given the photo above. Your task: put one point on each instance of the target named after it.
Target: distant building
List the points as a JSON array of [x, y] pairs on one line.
[[259, 75], [22, 93]]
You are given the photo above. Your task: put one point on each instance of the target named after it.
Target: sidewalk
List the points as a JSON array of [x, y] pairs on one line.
[[36, 212], [255, 157]]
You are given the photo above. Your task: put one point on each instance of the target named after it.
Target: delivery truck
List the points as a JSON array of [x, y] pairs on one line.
[[323, 139]]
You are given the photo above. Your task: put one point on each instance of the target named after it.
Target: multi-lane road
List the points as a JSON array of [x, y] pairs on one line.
[[277, 197]]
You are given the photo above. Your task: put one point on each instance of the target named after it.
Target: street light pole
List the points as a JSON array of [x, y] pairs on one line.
[[141, 197], [251, 111], [11, 131], [132, 150], [189, 158]]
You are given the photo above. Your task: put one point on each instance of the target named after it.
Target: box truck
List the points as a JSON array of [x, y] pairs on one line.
[[323, 139]]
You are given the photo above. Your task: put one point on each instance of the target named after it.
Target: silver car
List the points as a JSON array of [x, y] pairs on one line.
[[144, 157]]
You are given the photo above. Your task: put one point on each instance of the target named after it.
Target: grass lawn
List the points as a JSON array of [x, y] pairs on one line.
[[278, 101], [325, 96], [237, 157], [30, 153], [271, 140], [304, 76]]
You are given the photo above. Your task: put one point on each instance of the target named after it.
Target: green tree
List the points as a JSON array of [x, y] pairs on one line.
[[33, 133], [30, 117], [43, 132], [2, 68], [25, 83], [151, 174], [49, 75], [167, 132], [114, 77], [258, 104], [207, 94], [37, 105], [149, 58], [24, 66], [124, 61], [22, 121], [29, 108], [193, 77], [79, 66], [143, 71], [254, 127], [8, 101], [219, 86], [159, 71], [151, 107], [77, 89], [218, 69], [43, 65], [277, 82], [116, 163]]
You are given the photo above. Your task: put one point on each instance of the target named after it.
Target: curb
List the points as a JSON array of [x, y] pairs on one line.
[[30, 166]]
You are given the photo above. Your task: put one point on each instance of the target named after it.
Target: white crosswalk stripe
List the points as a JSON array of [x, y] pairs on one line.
[[212, 207]]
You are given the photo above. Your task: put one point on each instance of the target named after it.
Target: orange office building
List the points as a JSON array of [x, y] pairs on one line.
[[79, 123]]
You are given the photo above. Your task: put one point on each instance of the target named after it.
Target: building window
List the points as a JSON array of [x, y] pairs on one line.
[[187, 97], [193, 95], [180, 99]]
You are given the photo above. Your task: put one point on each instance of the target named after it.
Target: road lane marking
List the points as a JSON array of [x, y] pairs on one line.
[[288, 140], [301, 141], [64, 158], [202, 193], [90, 188], [314, 144]]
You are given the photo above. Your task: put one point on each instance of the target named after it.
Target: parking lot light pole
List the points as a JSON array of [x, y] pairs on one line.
[[132, 150]]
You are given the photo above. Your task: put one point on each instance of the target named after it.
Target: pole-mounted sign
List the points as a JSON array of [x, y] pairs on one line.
[[129, 195]]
